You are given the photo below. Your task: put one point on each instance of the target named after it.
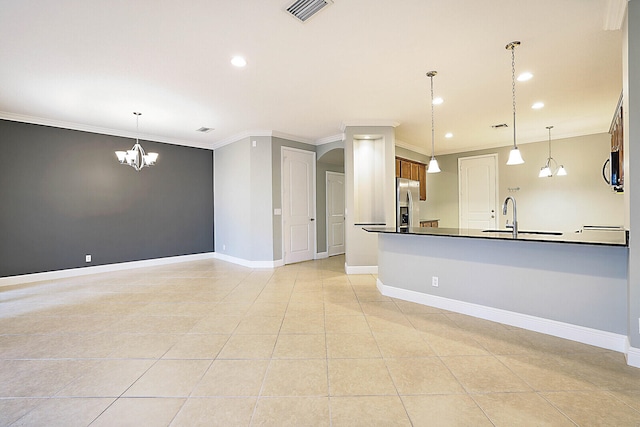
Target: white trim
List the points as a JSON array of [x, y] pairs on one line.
[[82, 271], [360, 269], [413, 148], [257, 133], [614, 15], [595, 337], [368, 123], [633, 355], [329, 139], [247, 263], [322, 255], [100, 130]]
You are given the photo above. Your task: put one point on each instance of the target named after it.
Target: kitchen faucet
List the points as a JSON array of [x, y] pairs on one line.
[[513, 226]]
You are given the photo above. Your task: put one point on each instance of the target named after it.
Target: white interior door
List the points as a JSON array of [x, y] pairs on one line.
[[298, 205], [478, 182], [335, 213]]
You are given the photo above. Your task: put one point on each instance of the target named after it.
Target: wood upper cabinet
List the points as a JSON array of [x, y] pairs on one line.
[[405, 169], [413, 170]]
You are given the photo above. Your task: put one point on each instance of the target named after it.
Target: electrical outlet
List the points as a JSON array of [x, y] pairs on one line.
[[224, 247], [87, 258], [434, 281]]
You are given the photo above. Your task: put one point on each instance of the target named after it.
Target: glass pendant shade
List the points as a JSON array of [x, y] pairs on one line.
[[545, 172], [561, 171], [515, 158], [433, 166]]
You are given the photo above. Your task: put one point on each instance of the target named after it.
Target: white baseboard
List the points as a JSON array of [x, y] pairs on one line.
[[608, 340], [633, 356], [360, 269], [81, 271], [322, 255], [247, 263]]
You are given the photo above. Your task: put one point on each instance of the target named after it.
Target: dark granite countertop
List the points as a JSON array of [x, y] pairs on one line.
[[586, 237]]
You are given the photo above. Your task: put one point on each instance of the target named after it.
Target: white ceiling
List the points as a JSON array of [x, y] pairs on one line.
[[90, 64]]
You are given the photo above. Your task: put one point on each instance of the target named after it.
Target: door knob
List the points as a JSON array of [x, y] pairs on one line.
[[313, 219]]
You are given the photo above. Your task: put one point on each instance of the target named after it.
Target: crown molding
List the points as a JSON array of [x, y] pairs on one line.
[[329, 139], [411, 147], [614, 14], [268, 133], [99, 130], [369, 123]]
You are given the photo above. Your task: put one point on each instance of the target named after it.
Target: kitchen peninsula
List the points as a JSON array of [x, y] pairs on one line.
[[571, 285]]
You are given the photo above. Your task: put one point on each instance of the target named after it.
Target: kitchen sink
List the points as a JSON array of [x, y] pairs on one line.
[[544, 233]]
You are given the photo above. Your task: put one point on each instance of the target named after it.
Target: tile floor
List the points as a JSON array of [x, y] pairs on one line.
[[211, 343]]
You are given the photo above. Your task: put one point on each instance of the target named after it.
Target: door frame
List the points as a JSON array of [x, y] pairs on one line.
[[313, 197], [327, 173], [496, 185]]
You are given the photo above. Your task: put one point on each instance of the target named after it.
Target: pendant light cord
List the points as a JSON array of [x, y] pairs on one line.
[[432, 123], [513, 91]]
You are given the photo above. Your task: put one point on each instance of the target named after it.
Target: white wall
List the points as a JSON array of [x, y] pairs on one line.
[[232, 207], [362, 247], [559, 203], [242, 200], [631, 99]]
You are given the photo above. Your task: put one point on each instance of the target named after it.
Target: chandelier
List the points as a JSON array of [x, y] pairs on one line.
[[547, 171], [136, 157]]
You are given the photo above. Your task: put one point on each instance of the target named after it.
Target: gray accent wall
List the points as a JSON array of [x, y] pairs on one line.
[[63, 195]]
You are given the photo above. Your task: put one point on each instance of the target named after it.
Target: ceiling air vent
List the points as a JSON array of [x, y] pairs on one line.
[[204, 130], [305, 9]]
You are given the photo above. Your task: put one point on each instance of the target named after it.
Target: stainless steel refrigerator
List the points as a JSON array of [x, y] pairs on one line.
[[407, 209]]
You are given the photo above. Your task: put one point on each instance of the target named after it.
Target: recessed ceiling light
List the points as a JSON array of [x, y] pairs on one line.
[[448, 135], [437, 101], [538, 105], [239, 61], [525, 76]]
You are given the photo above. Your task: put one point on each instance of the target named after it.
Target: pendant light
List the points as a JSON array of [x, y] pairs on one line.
[[433, 163], [515, 158], [136, 157], [546, 171]]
